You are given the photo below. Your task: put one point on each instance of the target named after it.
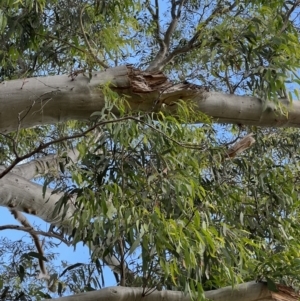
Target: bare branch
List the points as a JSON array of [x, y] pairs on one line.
[[42, 166], [165, 45], [173, 24], [24, 221], [45, 145], [192, 43], [287, 16], [30, 230], [155, 16], [79, 135]]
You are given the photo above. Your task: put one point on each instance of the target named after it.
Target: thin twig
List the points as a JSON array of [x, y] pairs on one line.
[[43, 146], [155, 16], [287, 16], [62, 41], [192, 42], [30, 230], [165, 43], [101, 63]]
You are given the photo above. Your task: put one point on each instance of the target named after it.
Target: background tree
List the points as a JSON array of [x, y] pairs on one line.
[[129, 162]]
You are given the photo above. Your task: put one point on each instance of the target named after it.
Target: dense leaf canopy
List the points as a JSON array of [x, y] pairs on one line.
[[160, 192]]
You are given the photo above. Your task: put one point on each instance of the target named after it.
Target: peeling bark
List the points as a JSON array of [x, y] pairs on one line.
[[48, 100]]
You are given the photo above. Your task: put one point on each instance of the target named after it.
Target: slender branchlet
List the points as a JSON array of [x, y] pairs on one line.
[[24, 221]]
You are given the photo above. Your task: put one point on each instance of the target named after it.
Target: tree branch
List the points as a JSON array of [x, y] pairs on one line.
[[287, 16], [22, 195], [175, 17], [250, 291], [165, 44], [30, 230], [59, 140], [145, 91], [192, 43], [42, 166], [94, 56], [155, 16]]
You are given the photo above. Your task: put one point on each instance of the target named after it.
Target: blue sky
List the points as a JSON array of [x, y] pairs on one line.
[[65, 253], [81, 254]]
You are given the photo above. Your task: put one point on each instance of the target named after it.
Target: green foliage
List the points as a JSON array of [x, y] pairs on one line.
[[46, 36], [185, 217], [241, 47], [18, 278], [153, 190], [252, 48]]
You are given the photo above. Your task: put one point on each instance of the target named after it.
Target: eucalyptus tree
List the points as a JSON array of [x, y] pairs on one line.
[[113, 106]]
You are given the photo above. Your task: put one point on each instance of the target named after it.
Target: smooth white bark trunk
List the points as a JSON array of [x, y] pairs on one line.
[[47, 100], [25, 196], [19, 193], [250, 291], [42, 166], [38, 101]]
